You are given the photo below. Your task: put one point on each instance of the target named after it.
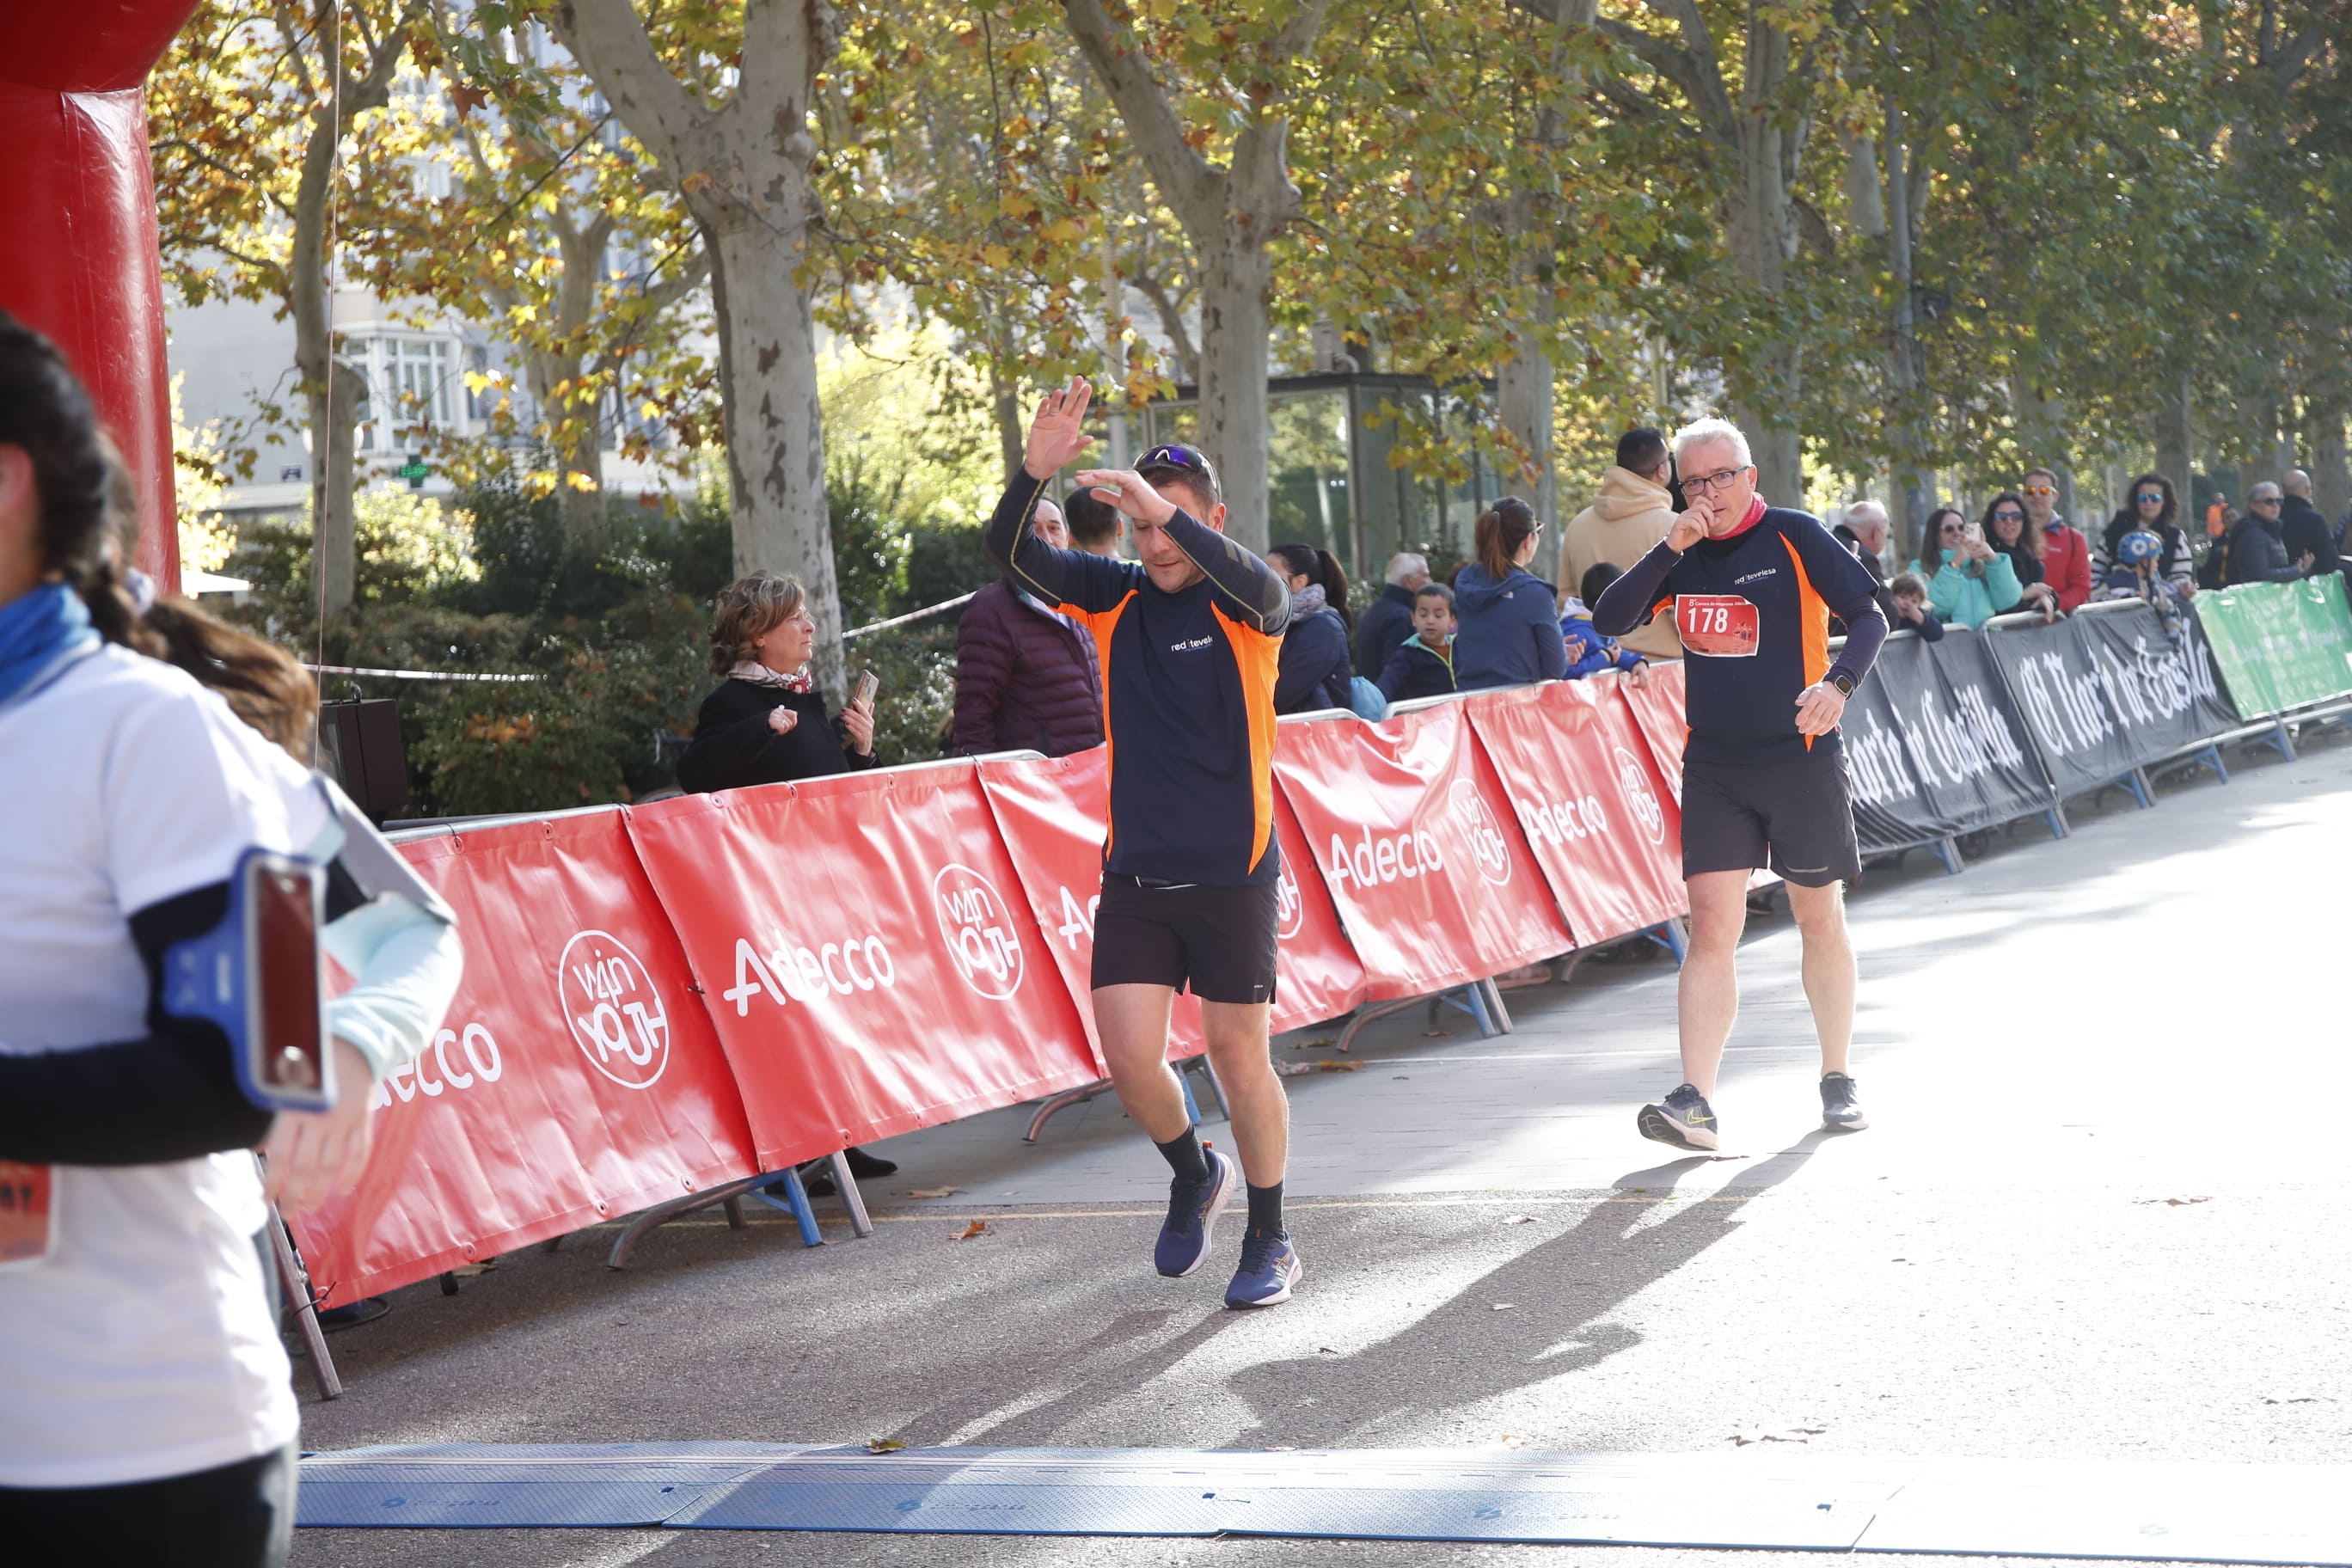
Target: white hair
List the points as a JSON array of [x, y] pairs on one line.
[[1405, 565], [2265, 491], [1699, 430], [1867, 508]]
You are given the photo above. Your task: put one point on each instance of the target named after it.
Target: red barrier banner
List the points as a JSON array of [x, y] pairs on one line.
[[1419, 849], [575, 1079], [1051, 813], [1592, 802], [1657, 709], [864, 948]]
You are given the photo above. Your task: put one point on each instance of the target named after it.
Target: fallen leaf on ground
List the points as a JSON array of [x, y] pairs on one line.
[[1810, 1431], [883, 1445], [472, 1271], [2301, 1399], [2177, 1203], [1438, 1033], [977, 1227], [935, 1191], [1325, 1350], [1520, 1219], [1294, 1070], [1507, 1306], [1313, 1045], [1337, 1066]]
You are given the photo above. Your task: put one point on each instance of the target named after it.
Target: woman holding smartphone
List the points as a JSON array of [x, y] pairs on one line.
[[1968, 582], [767, 722], [147, 1413]]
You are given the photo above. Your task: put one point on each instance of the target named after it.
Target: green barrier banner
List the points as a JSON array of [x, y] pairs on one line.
[[2280, 644]]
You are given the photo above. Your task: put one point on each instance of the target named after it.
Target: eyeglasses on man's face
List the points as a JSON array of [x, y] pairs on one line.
[[2265, 500], [2042, 490], [1714, 481]]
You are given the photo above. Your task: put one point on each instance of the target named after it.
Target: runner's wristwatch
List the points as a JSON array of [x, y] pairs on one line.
[[1845, 683]]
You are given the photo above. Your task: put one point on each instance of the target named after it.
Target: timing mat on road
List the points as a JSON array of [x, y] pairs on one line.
[[2205, 1512]]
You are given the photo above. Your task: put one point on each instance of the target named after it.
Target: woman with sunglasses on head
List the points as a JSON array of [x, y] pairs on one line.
[[2148, 508], [1968, 582], [146, 1407], [2010, 529]]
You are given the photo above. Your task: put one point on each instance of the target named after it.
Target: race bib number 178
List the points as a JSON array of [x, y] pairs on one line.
[[1722, 625]]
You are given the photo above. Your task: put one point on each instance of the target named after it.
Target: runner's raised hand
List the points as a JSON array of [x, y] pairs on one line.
[[1058, 433], [1130, 492]]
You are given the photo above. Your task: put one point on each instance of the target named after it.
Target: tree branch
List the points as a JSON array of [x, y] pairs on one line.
[[1194, 191], [610, 43], [1676, 65]]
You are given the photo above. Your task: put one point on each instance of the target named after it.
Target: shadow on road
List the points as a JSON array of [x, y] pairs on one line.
[[1561, 1292]]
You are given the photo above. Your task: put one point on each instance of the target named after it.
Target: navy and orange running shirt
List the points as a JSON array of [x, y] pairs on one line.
[[1754, 609], [1188, 693]]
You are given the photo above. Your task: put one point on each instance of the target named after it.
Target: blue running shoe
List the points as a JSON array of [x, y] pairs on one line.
[[1270, 1266], [1193, 1211]]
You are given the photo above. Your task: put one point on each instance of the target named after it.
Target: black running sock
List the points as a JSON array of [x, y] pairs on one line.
[[1184, 1157], [1266, 1209]]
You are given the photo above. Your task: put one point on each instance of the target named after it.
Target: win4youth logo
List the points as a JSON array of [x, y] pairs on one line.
[[982, 939], [615, 1014]]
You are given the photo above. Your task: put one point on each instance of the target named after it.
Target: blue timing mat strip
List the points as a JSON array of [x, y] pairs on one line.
[[2222, 1513]]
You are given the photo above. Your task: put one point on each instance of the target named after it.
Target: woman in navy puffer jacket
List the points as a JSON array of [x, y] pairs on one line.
[[1317, 671], [1509, 631]]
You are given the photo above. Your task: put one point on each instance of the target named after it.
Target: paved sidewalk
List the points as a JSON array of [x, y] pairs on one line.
[[2099, 1215]]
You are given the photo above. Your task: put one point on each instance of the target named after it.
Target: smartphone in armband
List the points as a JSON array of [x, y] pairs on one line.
[[259, 976], [869, 683]]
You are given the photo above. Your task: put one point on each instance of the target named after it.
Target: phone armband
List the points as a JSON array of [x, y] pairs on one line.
[[258, 976]]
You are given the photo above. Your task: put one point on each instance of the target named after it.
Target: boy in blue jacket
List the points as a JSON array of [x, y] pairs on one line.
[[1589, 652], [1422, 665]]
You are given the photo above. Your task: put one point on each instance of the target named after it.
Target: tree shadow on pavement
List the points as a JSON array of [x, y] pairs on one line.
[[1562, 1292]]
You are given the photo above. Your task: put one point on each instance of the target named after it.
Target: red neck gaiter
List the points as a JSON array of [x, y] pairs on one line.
[[1755, 515]]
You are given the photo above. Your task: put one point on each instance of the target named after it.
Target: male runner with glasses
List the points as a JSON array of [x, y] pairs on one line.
[[1753, 588], [1190, 634]]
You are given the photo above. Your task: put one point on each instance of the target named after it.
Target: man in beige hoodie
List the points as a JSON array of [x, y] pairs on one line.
[[1630, 515]]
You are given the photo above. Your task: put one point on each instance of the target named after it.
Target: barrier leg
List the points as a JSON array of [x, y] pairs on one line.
[[1674, 936], [2056, 817], [2279, 738], [735, 1220], [662, 1214], [1473, 1001], [851, 1198], [1366, 1015], [795, 1203], [297, 1281], [2211, 757], [1495, 1005], [1948, 852], [1068, 1097]]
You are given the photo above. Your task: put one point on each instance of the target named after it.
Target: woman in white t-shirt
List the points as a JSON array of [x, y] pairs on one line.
[[146, 1407]]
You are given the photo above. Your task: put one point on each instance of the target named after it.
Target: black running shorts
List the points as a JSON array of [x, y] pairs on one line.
[[1795, 816], [1219, 940]]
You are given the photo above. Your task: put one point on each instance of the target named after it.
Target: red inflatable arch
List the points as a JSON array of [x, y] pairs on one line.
[[80, 262]]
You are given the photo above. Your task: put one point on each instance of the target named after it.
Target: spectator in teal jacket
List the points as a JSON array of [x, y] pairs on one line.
[[1972, 582]]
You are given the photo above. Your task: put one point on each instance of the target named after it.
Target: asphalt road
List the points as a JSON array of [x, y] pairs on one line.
[[2099, 1215]]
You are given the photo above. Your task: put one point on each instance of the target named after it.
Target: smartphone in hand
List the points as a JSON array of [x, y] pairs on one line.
[[869, 683]]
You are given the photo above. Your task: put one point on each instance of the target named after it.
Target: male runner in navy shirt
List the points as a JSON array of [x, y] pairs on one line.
[[1189, 642], [1752, 588]]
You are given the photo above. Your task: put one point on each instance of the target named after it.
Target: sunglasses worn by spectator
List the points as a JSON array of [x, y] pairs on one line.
[[2042, 490], [2150, 496], [2009, 517]]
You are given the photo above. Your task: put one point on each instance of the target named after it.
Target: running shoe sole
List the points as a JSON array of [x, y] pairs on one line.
[[1655, 1123], [1856, 1125], [1291, 1277], [1219, 1196]]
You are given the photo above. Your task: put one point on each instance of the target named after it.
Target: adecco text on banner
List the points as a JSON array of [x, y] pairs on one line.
[[480, 1063], [852, 965], [615, 1014], [1374, 862]]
